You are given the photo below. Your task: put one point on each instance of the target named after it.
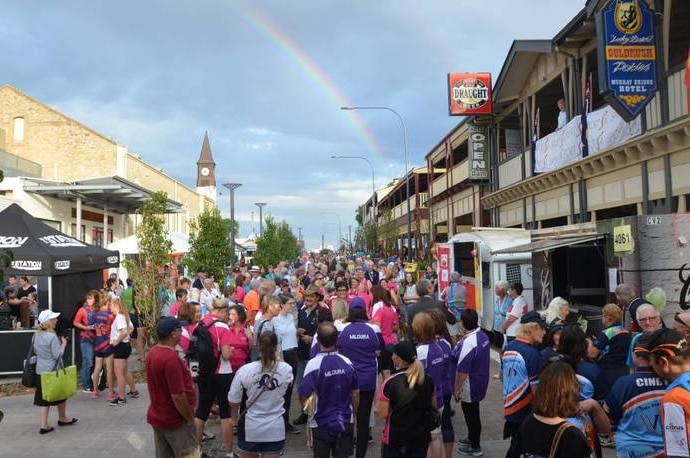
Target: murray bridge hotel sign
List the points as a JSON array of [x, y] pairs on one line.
[[627, 56]]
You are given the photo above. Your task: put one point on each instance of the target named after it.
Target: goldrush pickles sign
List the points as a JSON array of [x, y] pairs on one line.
[[627, 56]]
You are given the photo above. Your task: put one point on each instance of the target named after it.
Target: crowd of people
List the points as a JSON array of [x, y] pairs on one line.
[[359, 340]]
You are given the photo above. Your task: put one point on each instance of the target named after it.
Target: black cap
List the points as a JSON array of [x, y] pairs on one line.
[[405, 351], [166, 326], [668, 342], [533, 317]]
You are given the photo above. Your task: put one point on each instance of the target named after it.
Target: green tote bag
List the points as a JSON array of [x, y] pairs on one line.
[[59, 384]]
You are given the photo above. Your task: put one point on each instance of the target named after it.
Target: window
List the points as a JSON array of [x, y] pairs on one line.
[[18, 130], [97, 236], [513, 274], [82, 236]]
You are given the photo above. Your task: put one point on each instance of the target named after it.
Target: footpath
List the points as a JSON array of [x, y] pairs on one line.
[[122, 431]]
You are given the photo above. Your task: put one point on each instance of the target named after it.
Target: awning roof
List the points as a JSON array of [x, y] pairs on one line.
[[118, 194], [549, 244], [521, 59]]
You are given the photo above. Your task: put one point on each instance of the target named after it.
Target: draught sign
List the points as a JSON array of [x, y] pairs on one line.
[[469, 94]]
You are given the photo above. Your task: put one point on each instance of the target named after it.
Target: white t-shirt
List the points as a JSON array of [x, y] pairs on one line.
[[517, 308], [120, 323], [263, 421]]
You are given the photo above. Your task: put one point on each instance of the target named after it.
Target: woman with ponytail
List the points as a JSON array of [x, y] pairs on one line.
[[406, 401], [260, 424]]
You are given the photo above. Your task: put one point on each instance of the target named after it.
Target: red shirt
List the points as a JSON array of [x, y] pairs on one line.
[[240, 345], [166, 374], [386, 317], [82, 317]]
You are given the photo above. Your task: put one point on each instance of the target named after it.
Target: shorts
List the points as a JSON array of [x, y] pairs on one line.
[[122, 350], [213, 389], [180, 442], [104, 354], [385, 360], [256, 448], [342, 447], [134, 318]]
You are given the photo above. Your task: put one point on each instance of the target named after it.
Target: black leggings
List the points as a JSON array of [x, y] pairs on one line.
[[366, 400], [290, 357], [474, 422]]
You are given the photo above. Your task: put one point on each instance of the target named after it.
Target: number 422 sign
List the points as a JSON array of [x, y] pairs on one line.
[[622, 238]]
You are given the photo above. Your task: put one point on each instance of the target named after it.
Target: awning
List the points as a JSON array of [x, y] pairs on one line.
[[549, 244], [120, 195]]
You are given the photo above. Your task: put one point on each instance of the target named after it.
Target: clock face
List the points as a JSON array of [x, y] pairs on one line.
[[205, 171]]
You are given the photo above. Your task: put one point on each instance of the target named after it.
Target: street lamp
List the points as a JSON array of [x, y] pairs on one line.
[[373, 186], [261, 216], [340, 227], [407, 181], [232, 187]]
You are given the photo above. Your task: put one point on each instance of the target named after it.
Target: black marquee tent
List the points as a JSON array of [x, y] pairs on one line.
[[67, 268]]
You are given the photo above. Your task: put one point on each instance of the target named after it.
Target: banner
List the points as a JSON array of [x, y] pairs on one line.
[[469, 94], [443, 256], [606, 129], [559, 148], [627, 55], [478, 153]]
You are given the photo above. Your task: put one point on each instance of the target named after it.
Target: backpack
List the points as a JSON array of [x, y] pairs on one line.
[[201, 350]]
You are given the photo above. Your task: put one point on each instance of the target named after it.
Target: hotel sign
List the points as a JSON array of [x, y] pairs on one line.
[[627, 56]]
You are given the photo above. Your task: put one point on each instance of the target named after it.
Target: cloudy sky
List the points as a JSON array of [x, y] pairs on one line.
[[266, 79]]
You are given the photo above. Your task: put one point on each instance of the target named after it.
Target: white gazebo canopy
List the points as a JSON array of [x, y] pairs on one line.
[[130, 245]]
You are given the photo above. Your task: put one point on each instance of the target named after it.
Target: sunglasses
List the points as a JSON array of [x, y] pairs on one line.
[[678, 319]]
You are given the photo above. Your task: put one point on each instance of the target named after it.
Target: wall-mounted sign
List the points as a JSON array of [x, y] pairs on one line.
[[478, 153], [469, 94], [622, 238], [627, 55]]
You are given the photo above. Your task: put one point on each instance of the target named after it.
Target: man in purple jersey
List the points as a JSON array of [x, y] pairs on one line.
[[360, 342], [331, 377], [472, 379]]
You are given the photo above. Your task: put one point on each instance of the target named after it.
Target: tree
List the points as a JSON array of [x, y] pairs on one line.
[[148, 269], [387, 230], [209, 243], [277, 243]]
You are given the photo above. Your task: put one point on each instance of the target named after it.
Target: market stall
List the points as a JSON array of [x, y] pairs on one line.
[[66, 269]]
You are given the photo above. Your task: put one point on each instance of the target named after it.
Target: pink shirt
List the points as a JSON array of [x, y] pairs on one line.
[[387, 318], [240, 345], [187, 332], [220, 336]]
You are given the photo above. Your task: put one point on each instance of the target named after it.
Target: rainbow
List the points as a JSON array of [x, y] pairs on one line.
[[307, 65]]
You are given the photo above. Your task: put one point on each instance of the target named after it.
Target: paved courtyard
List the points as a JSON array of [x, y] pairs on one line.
[[123, 431]]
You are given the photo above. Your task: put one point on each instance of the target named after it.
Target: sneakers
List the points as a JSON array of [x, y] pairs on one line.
[[133, 394], [607, 441], [290, 429], [301, 420], [464, 441], [87, 391], [95, 394], [208, 436], [469, 451], [112, 396], [117, 402]]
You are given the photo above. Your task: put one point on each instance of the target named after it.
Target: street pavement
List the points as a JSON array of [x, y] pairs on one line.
[[122, 431]]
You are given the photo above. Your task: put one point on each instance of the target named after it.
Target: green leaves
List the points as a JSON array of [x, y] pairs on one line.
[[209, 243], [277, 243], [148, 268]]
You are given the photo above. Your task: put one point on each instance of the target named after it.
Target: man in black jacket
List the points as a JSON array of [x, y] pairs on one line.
[[426, 302]]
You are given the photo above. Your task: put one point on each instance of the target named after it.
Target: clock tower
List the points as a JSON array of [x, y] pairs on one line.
[[206, 171]]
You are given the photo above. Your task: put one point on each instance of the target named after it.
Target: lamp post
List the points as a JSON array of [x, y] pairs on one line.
[[232, 187], [261, 216], [407, 181], [340, 227], [373, 186]]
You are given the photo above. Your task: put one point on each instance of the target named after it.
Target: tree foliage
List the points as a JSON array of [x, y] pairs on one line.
[[387, 229], [148, 268], [209, 243], [277, 243]]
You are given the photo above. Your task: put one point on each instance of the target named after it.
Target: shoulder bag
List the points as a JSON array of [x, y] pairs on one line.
[[60, 383], [557, 438], [29, 371]]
